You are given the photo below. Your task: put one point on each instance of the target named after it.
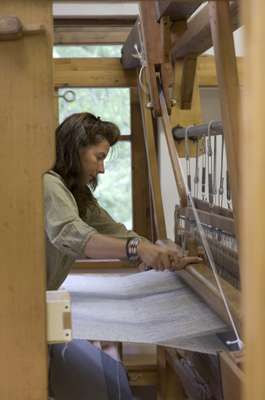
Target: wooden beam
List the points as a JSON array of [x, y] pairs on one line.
[[227, 75], [187, 81], [95, 35], [206, 71], [92, 30], [140, 184], [128, 51], [93, 72], [86, 265], [178, 116], [96, 71], [232, 377], [175, 162], [176, 10], [252, 194], [153, 171], [95, 20], [209, 218], [153, 49], [26, 152], [197, 38]]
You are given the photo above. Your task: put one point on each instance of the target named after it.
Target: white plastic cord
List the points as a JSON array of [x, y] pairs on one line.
[[140, 56]]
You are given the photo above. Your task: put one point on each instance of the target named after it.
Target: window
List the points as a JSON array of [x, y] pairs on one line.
[[86, 51]]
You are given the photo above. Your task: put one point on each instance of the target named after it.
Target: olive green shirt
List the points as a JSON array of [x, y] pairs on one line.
[[66, 233]]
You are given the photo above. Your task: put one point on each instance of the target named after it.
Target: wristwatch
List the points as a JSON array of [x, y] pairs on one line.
[[132, 248]]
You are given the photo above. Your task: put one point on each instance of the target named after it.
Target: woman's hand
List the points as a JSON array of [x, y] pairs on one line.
[[161, 257]]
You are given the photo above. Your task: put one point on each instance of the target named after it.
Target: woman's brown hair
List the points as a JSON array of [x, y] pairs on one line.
[[78, 131]]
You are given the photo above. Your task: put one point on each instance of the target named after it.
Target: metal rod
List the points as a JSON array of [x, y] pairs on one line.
[[198, 131]]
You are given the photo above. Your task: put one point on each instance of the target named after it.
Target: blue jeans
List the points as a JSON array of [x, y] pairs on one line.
[[81, 371]]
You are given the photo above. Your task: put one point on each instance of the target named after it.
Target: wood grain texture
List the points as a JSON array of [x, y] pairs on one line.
[[26, 152], [232, 377], [140, 184], [227, 74], [197, 38], [176, 10], [96, 35], [188, 81], [106, 72], [153, 49], [252, 191], [92, 72], [153, 171], [175, 162]]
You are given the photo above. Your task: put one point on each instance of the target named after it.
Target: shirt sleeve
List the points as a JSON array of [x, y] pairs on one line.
[[63, 225], [102, 221]]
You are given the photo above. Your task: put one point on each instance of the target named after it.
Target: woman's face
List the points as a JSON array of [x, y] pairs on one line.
[[92, 160]]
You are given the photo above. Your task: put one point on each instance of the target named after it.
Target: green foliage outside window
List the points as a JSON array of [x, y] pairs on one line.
[[86, 51]]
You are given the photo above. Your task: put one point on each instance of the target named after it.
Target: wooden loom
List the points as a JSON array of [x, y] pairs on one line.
[[150, 39], [27, 130]]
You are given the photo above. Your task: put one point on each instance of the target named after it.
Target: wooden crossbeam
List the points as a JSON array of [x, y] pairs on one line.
[[176, 10], [209, 218], [109, 72], [197, 38], [128, 50], [91, 35], [93, 30], [95, 20], [93, 72]]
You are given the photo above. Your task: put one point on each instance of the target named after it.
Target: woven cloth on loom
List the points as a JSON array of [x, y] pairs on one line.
[[148, 307]]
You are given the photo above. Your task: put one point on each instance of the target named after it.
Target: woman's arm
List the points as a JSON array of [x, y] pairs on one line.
[[155, 256], [103, 246]]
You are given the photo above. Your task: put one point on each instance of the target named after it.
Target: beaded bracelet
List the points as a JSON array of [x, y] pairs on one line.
[[131, 248]]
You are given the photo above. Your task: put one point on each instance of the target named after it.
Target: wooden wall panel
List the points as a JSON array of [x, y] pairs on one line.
[[26, 151]]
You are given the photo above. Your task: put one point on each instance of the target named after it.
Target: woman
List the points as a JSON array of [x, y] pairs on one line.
[[77, 227]]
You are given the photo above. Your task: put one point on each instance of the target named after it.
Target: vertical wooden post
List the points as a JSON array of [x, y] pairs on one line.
[[227, 76], [141, 197], [26, 151], [252, 195], [153, 170], [151, 32]]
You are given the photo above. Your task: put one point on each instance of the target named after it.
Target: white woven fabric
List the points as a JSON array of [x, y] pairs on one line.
[[148, 307]]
